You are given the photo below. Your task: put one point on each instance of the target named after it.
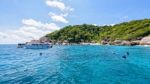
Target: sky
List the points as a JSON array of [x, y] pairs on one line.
[[25, 20]]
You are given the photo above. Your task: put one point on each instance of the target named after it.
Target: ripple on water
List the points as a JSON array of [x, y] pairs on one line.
[[75, 65]]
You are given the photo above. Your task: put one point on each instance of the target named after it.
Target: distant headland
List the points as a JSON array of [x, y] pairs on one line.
[[136, 32]]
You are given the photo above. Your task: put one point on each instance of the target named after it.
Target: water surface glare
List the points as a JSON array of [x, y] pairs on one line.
[[75, 65]]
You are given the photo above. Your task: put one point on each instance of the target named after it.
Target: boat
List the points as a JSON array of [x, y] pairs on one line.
[[21, 45], [38, 46], [35, 44]]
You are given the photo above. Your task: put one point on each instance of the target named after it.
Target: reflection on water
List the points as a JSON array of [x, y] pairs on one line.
[[75, 65]]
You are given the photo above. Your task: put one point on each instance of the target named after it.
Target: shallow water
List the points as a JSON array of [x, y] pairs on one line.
[[75, 65]]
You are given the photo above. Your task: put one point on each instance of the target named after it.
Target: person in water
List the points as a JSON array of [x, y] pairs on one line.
[[125, 56], [41, 54], [127, 53]]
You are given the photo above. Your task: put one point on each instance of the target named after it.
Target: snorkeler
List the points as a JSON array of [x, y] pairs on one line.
[[124, 56], [127, 53], [40, 54]]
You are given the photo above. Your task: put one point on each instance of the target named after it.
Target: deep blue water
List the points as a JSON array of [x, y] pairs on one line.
[[75, 65]]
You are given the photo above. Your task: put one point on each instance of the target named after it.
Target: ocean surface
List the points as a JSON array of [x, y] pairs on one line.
[[76, 64]]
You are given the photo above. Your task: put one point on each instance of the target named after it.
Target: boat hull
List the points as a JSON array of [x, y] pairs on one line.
[[38, 46]]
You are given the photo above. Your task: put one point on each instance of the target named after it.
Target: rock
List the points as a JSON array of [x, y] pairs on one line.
[[44, 39], [126, 43], [121, 42], [104, 42], [136, 42], [118, 41], [145, 41]]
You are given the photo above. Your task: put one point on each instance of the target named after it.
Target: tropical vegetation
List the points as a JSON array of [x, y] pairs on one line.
[[131, 30]]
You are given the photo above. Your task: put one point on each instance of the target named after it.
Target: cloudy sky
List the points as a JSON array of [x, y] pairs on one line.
[[24, 20]]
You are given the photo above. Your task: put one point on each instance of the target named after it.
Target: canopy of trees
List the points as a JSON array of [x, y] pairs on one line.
[[88, 33]]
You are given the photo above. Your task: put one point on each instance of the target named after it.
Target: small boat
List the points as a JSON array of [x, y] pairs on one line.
[[38, 46]]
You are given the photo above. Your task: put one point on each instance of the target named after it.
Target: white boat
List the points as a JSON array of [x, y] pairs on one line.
[[21, 45], [38, 45], [35, 44]]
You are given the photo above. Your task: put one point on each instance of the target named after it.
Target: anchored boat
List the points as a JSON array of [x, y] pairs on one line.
[[35, 44], [21, 45], [38, 46]]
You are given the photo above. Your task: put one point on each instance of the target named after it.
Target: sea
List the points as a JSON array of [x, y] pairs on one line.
[[75, 64]]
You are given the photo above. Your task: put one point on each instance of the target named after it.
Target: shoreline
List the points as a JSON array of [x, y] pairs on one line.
[[98, 44]]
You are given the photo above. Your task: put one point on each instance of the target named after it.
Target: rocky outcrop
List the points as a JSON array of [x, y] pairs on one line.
[[136, 42], [121, 42], [127, 43], [44, 39], [145, 41]]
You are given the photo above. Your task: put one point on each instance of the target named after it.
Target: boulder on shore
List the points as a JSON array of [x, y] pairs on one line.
[[145, 41]]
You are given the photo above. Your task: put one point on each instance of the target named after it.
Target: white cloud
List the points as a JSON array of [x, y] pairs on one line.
[[124, 17], [10, 38], [58, 4], [31, 22], [65, 9], [31, 29], [58, 18], [38, 24]]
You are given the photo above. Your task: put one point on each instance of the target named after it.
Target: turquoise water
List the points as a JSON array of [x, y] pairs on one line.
[[75, 65]]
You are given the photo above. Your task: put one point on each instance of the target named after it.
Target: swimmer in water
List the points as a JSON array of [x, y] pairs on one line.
[[40, 54], [127, 53], [124, 57]]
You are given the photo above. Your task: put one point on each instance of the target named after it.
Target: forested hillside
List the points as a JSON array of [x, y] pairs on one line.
[[88, 33]]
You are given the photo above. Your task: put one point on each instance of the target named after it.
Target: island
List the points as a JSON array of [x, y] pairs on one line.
[[135, 32]]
